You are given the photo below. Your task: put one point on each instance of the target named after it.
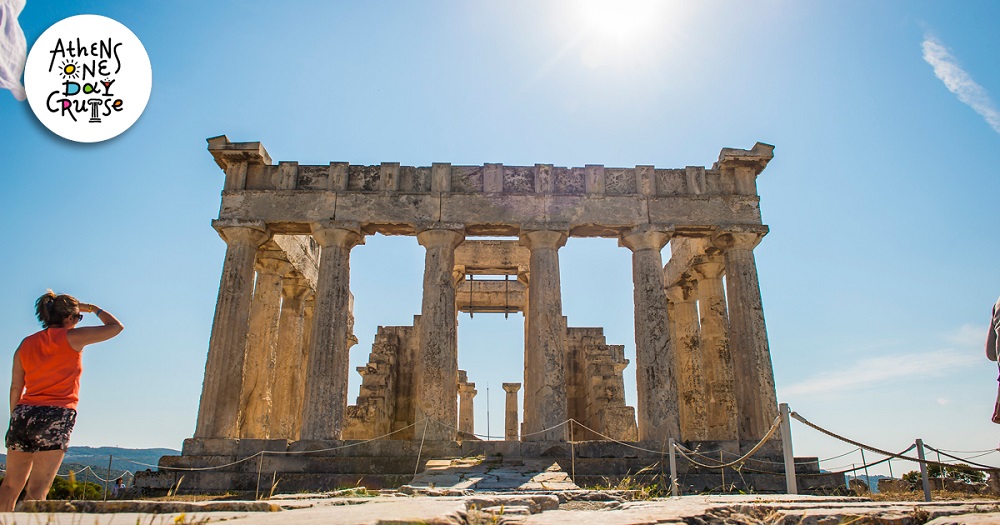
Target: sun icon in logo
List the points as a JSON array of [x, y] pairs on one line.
[[68, 69]]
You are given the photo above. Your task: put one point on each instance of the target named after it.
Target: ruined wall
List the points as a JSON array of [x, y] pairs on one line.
[[595, 387]]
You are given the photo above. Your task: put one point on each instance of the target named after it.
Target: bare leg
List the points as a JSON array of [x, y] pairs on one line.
[[42, 473], [18, 467]]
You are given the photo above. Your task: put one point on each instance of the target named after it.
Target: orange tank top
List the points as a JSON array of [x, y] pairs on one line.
[[52, 370]]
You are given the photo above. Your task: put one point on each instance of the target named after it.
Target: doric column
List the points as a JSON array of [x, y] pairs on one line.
[[220, 392], [466, 412], [258, 366], [289, 372], [326, 376], [756, 398], [692, 401], [656, 382], [717, 358], [545, 340], [436, 367], [510, 414], [307, 328]]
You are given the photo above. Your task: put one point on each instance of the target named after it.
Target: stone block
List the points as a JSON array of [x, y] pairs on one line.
[[890, 485], [210, 447], [249, 447], [185, 462], [702, 210], [408, 209]]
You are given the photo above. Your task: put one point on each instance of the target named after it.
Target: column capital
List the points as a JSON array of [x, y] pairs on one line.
[[235, 231], [272, 263], [646, 237], [533, 239], [467, 388], [512, 388], [708, 266], [685, 290], [745, 238], [295, 286], [441, 236], [345, 234]]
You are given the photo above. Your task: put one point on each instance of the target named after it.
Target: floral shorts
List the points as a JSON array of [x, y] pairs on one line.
[[38, 428]]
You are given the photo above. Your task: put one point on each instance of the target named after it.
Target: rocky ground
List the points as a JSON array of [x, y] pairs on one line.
[[450, 507]]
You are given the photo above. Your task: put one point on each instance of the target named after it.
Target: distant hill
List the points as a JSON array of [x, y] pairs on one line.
[[122, 459], [872, 481]]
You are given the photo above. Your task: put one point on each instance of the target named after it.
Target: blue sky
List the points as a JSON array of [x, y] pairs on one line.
[[877, 276]]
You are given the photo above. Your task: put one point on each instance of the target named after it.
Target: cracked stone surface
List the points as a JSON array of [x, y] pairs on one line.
[[474, 474], [527, 508]]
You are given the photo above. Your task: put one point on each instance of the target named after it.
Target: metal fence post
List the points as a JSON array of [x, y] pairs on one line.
[[923, 470], [786, 446], [673, 468]]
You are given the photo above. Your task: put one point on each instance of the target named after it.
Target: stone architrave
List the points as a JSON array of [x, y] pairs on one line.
[[326, 376], [289, 374], [545, 341], [218, 411], [466, 410], [262, 344], [756, 398], [436, 369], [656, 384], [717, 356], [683, 312], [510, 413]]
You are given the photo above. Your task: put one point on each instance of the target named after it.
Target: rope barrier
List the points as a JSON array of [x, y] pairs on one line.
[[986, 451], [585, 427], [274, 452], [803, 462], [741, 460], [870, 448], [959, 459]]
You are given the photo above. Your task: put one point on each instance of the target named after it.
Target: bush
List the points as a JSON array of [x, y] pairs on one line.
[[69, 489], [959, 471]]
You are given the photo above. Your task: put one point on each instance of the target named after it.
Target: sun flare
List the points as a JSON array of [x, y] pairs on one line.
[[621, 32]]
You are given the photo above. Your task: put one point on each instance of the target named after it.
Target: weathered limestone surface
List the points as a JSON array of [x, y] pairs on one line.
[[262, 345], [596, 389], [535, 508], [372, 415], [302, 252], [716, 353], [490, 296], [466, 409], [656, 381], [682, 309], [278, 356], [218, 411], [437, 361], [545, 340], [510, 411], [288, 387], [326, 376], [756, 398]]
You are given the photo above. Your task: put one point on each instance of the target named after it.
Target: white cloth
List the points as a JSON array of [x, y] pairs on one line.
[[13, 47]]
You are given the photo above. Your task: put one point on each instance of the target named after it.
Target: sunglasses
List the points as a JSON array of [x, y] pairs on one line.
[[78, 317]]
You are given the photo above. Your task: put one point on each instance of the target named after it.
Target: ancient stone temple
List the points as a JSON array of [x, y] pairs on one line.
[[277, 369]]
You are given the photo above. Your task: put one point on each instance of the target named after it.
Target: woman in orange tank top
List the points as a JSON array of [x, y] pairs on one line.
[[44, 391]]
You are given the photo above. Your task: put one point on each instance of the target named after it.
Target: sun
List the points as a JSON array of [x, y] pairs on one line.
[[69, 69], [626, 33]]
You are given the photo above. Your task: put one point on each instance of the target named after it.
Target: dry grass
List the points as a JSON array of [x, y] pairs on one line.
[[936, 495]]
